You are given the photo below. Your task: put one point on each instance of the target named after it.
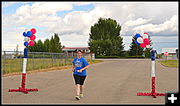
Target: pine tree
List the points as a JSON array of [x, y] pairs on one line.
[[47, 45], [135, 50], [40, 47], [52, 45], [55, 44]]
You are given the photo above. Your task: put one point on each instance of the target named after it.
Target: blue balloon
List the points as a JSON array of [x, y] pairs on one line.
[[24, 34], [137, 35], [25, 43], [137, 42], [29, 33]]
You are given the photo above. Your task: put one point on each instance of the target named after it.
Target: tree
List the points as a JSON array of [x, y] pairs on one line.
[[40, 46], [101, 47], [135, 50], [47, 45], [55, 44], [52, 45], [105, 38]]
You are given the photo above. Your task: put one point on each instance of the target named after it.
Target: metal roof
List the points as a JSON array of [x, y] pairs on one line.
[[74, 48]]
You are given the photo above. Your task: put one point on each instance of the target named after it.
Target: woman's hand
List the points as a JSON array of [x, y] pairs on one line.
[[79, 70], [72, 69]]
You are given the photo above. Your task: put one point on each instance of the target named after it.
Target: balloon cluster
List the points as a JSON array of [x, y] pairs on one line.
[[29, 37], [143, 40]]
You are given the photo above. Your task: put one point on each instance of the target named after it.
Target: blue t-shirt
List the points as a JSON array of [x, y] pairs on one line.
[[79, 64]]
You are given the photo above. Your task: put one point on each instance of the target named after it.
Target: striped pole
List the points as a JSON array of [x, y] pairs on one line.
[[153, 77], [23, 83]]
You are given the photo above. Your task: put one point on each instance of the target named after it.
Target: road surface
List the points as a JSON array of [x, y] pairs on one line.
[[114, 81]]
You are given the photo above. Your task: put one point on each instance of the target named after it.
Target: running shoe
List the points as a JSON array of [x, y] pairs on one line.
[[77, 98], [81, 95]]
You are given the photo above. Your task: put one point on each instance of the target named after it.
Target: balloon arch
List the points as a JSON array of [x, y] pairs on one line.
[[29, 38]]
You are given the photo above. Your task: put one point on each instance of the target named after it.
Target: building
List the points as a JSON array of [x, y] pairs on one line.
[[71, 51], [172, 53], [74, 49]]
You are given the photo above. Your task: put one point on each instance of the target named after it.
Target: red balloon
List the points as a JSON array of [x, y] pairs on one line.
[[33, 37], [31, 43], [33, 30], [143, 45], [146, 41]]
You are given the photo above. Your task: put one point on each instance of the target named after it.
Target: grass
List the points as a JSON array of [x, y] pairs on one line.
[[95, 61], [170, 63], [14, 66]]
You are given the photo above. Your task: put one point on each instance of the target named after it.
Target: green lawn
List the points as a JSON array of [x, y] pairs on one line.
[[170, 63], [15, 65]]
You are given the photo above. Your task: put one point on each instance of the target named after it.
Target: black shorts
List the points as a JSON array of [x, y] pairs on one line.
[[79, 79]]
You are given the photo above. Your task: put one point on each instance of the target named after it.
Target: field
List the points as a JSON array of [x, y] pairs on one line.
[[15, 65], [170, 63]]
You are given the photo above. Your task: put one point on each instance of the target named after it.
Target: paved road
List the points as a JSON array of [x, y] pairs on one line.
[[114, 81]]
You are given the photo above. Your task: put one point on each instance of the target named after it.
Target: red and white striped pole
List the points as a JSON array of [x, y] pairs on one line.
[[153, 77], [23, 83]]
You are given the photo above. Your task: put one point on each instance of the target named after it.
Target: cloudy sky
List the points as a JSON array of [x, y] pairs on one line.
[[72, 21]]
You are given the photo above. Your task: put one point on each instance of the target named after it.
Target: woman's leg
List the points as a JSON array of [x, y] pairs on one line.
[[77, 89], [81, 89], [82, 85], [77, 86]]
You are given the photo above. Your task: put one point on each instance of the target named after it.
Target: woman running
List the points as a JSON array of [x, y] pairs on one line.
[[79, 73]]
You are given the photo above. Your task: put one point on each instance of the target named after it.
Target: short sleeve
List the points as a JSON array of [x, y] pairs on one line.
[[73, 62], [85, 62]]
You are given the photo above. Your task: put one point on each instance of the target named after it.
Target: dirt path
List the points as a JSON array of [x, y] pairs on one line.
[[110, 82]]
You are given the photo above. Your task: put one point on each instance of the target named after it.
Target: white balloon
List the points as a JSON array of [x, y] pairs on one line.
[[140, 40], [26, 30], [145, 36], [147, 46], [26, 39]]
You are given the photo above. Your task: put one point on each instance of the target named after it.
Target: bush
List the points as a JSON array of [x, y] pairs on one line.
[[159, 56], [107, 56], [120, 57], [135, 57]]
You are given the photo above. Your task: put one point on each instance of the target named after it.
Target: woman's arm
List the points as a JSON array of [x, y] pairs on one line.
[[73, 67], [83, 68]]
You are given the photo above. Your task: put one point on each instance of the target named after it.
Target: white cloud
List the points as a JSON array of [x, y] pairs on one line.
[[74, 40], [43, 8], [11, 39], [170, 25], [82, 3], [148, 16], [39, 8], [138, 21], [23, 10]]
